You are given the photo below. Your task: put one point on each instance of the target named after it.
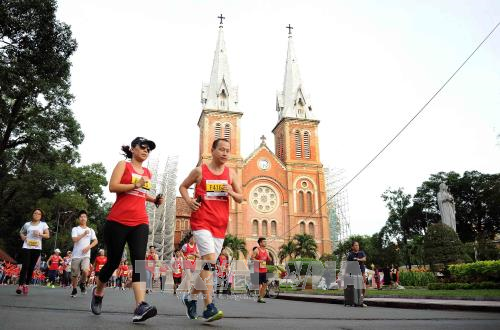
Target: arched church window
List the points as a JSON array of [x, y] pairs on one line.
[[309, 202], [273, 228], [298, 145], [311, 229], [255, 227], [227, 132], [217, 131], [222, 99], [307, 145], [301, 201], [302, 228], [264, 228]]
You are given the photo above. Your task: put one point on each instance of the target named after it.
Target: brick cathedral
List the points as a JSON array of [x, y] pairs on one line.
[[284, 189]]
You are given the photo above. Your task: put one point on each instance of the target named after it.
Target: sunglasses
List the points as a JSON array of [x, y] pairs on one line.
[[145, 147]]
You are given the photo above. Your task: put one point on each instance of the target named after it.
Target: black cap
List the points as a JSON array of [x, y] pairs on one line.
[[143, 141]]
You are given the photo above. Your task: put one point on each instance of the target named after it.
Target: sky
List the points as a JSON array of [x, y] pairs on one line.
[[368, 67]]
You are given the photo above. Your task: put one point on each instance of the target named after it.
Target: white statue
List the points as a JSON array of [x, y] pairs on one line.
[[446, 206]]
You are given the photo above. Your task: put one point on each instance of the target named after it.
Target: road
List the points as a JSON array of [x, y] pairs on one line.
[[47, 308]]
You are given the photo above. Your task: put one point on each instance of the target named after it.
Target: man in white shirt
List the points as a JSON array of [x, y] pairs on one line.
[[84, 239]]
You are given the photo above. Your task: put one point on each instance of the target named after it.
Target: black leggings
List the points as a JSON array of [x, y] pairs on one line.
[[115, 237], [30, 257]]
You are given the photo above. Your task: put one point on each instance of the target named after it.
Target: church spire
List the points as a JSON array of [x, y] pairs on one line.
[[219, 94], [292, 102]]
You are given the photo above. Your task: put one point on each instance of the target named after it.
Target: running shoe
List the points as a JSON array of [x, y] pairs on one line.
[[190, 307], [261, 301], [19, 289], [74, 293], [143, 312], [212, 313], [83, 288], [95, 303], [26, 289]]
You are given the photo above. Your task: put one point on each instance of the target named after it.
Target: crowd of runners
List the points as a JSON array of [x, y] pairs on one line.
[[128, 223]]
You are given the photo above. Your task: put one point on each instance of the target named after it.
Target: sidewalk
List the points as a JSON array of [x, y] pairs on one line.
[[442, 304]]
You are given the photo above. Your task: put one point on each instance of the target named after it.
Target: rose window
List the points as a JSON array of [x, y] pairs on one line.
[[264, 199]]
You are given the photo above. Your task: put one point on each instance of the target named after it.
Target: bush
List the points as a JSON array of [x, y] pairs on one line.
[[416, 278], [305, 262], [442, 246], [463, 286], [476, 271]]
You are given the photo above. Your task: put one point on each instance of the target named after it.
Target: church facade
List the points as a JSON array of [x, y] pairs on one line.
[[284, 189]]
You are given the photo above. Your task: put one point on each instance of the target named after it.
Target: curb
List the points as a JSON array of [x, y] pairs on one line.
[[394, 303]]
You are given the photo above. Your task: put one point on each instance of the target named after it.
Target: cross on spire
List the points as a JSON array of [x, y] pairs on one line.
[[263, 139], [290, 28], [221, 20]]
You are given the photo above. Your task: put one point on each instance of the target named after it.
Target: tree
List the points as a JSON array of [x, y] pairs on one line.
[[287, 250], [237, 246], [305, 246], [442, 246], [39, 135]]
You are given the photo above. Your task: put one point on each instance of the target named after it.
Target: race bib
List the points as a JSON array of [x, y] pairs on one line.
[[33, 242], [262, 264], [136, 178], [214, 189]]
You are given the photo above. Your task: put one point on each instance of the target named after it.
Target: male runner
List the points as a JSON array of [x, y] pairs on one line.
[[261, 256], [210, 214], [84, 239]]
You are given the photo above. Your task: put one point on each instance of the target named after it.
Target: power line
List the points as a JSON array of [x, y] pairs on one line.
[[404, 127]]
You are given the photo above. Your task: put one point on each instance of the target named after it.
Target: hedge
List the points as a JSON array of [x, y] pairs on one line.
[[478, 271], [416, 278], [463, 286]]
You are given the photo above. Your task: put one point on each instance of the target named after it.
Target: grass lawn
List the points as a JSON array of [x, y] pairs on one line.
[[407, 293]]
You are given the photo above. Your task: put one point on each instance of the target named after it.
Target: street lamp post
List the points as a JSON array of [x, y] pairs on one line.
[[57, 227]]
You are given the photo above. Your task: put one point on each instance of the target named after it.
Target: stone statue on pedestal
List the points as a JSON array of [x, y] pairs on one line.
[[446, 206]]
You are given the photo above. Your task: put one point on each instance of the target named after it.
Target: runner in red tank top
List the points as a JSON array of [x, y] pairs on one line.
[[210, 214], [261, 257], [127, 223]]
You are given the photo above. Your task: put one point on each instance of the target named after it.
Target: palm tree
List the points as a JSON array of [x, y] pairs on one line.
[[287, 250], [236, 245], [306, 246]]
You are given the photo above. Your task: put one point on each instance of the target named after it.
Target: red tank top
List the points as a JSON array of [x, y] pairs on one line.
[[129, 208], [177, 268], [213, 214], [99, 262], [263, 257], [190, 263]]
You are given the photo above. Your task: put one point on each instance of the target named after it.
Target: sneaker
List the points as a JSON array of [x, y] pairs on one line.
[[74, 292], [19, 289], [364, 305], [83, 288], [143, 312], [190, 308], [26, 289], [261, 301], [95, 303], [212, 314]]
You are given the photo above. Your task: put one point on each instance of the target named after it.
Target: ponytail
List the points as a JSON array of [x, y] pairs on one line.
[[127, 152]]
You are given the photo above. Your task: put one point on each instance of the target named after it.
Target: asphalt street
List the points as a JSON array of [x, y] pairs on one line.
[[46, 308]]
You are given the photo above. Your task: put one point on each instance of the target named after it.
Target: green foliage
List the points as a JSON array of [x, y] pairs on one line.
[[464, 286], [416, 278], [442, 246], [478, 271], [328, 257], [305, 263], [305, 246], [39, 135], [287, 250], [236, 245]]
